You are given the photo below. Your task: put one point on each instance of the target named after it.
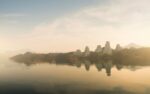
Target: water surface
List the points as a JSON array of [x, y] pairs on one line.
[[84, 78]]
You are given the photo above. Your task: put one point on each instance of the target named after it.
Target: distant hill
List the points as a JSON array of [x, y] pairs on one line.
[[132, 45]]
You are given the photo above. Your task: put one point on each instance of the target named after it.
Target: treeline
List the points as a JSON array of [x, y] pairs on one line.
[[139, 56]]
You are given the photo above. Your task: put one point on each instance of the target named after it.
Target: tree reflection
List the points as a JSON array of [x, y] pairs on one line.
[[107, 65], [128, 58]]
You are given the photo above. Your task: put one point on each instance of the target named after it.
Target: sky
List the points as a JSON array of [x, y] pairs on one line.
[[67, 25]]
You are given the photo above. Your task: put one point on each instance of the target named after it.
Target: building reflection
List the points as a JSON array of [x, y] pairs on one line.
[[99, 66], [106, 65], [87, 64]]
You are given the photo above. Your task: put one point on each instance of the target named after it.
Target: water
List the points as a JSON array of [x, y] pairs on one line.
[[53, 78]]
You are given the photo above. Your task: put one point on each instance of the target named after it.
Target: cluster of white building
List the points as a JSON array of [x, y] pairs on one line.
[[104, 50]]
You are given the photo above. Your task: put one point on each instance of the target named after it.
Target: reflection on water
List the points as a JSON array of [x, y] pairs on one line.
[[78, 77], [107, 65]]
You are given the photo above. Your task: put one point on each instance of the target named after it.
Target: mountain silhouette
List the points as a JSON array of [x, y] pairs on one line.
[[132, 45]]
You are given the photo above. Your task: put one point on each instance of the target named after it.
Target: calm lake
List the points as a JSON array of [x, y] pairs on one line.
[[46, 78]]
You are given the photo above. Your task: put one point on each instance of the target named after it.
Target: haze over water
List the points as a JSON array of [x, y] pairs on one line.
[[71, 47], [46, 78]]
